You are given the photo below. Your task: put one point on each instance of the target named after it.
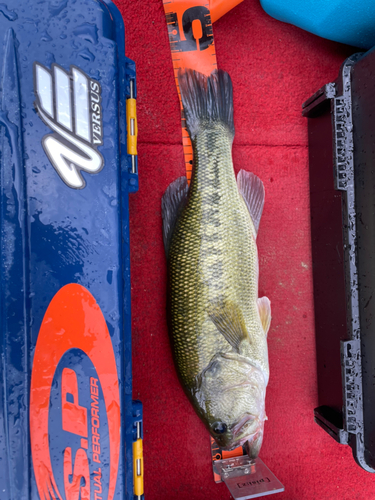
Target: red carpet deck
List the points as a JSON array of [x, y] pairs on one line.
[[274, 68]]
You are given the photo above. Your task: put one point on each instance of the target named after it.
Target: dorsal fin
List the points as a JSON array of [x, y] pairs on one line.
[[251, 189], [172, 204]]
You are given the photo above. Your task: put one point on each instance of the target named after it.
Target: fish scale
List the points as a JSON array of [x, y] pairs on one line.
[[201, 270]]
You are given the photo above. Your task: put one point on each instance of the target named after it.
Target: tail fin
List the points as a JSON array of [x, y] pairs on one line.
[[206, 100]]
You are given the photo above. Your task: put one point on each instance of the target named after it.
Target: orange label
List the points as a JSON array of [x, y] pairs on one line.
[[74, 401], [192, 46]]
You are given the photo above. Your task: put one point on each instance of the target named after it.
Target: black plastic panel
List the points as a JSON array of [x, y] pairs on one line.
[[341, 125], [328, 260], [363, 95]]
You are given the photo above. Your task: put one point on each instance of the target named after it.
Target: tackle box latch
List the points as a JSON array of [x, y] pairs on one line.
[[138, 451], [132, 126]]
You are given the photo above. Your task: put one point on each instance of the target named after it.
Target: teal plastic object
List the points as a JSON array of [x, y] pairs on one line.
[[347, 21]]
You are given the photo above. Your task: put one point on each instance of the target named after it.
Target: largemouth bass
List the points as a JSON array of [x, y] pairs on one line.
[[218, 325]]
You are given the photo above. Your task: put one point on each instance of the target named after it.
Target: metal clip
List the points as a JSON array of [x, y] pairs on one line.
[[237, 466], [246, 478]]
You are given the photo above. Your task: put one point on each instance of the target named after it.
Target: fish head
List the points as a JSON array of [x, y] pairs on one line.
[[232, 403]]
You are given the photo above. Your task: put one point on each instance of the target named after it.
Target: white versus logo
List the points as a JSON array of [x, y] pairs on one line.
[[70, 105]]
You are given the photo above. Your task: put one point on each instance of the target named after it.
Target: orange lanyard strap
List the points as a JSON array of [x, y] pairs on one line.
[[192, 46]]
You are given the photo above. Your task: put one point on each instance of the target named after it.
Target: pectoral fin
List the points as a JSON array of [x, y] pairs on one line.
[[172, 204], [228, 319], [251, 189], [264, 308]]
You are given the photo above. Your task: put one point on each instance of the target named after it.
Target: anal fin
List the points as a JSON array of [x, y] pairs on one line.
[[172, 204]]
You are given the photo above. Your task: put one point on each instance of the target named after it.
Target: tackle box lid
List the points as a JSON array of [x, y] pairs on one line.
[[68, 424]]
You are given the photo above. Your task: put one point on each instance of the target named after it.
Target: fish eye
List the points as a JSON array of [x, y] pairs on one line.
[[219, 427]]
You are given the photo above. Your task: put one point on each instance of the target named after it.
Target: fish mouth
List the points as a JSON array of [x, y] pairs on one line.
[[240, 442], [248, 430], [238, 434], [239, 426], [251, 441]]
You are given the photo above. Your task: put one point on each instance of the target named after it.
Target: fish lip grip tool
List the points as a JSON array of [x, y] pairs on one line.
[[68, 162]]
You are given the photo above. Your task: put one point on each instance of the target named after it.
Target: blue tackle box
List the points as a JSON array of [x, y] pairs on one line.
[[69, 429]]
